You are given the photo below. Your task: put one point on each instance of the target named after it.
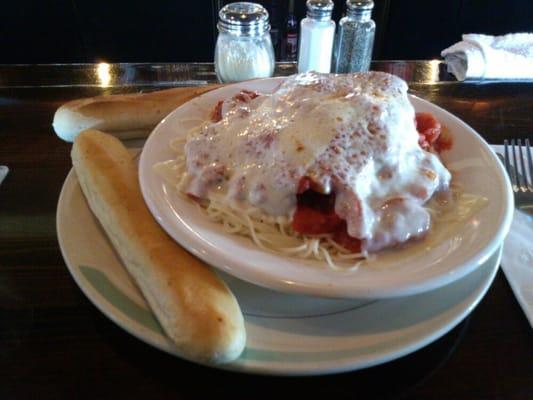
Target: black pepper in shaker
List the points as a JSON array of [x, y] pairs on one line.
[[355, 38]]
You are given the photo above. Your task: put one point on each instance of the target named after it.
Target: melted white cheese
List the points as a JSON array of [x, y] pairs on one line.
[[353, 134]]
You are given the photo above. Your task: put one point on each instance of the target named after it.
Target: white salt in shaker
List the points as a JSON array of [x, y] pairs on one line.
[[244, 49], [317, 32]]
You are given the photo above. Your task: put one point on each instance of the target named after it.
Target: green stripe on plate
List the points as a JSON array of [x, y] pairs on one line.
[[118, 299], [107, 289]]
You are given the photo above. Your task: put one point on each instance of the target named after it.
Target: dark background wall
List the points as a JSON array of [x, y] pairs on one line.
[[54, 31]]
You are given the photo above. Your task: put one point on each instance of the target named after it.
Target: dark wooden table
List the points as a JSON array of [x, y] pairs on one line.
[[55, 344]]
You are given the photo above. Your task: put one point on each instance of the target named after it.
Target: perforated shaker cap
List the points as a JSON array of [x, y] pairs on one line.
[[319, 9], [354, 7], [243, 18]]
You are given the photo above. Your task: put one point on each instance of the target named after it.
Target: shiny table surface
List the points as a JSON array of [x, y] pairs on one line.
[[55, 344]]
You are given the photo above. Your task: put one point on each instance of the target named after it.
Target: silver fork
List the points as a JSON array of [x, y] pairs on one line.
[[521, 178]]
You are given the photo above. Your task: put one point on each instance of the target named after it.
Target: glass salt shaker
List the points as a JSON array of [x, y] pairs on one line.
[[244, 48], [355, 38], [317, 32]]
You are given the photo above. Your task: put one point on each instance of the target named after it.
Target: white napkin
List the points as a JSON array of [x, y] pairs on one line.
[[517, 258], [491, 57]]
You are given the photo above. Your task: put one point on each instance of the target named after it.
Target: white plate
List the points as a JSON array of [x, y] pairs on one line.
[[287, 334], [419, 268]]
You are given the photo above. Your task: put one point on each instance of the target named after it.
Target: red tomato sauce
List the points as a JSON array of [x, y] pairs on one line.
[[244, 96], [431, 136], [315, 212], [428, 128], [216, 114], [444, 142], [315, 215]]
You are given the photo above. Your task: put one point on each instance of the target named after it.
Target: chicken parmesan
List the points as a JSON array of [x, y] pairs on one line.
[[327, 166]]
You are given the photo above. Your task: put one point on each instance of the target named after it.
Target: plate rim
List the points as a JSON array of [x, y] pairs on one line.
[[130, 326], [223, 260]]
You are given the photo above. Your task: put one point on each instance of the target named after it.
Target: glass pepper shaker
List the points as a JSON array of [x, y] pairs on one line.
[[244, 48], [355, 38]]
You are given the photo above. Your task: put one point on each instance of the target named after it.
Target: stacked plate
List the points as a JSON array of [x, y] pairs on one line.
[[303, 318]]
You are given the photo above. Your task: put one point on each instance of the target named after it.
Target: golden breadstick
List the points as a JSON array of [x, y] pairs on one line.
[[194, 306], [126, 116]]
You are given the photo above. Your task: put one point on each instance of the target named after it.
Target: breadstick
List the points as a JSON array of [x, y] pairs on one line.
[[126, 116], [194, 306]]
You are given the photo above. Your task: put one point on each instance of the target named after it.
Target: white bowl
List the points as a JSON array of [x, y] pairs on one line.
[[418, 267]]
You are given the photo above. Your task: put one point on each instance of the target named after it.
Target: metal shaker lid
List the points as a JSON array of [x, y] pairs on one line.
[[243, 18], [319, 9], [359, 5]]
